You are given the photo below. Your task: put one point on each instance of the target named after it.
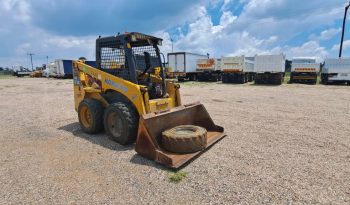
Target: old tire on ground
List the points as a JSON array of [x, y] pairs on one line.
[[185, 139], [121, 123], [90, 114]]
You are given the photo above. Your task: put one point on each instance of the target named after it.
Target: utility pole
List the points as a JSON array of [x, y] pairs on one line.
[[31, 59], [172, 45], [47, 62], [343, 31]]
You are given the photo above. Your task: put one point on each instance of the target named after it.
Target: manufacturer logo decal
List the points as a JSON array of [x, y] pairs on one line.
[[116, 85]]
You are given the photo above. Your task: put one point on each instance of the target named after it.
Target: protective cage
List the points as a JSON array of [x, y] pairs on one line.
[[123, 58]]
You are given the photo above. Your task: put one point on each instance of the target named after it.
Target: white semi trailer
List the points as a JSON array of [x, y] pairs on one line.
[[237, 69], [269, 69], [304, 70], [182, 65], [209, 69], [336, 70]]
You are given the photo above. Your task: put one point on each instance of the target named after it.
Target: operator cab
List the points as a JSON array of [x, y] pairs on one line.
[[133, 57]]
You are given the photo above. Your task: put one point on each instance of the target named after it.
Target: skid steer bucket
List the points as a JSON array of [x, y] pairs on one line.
[[151, 126]]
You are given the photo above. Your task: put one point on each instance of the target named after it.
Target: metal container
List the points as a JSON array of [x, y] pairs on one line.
[[305, 65], [64, 68], [270, 63], [336, 65], [237, 64], [209, 64], [337, 69], [183, 61]]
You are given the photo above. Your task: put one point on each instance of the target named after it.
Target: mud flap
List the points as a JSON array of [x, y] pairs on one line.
[[151, 126]]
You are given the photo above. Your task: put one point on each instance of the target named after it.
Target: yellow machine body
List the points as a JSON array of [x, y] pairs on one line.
[[91, 82]]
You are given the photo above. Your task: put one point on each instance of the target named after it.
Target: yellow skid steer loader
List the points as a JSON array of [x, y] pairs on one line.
[[128, 96]]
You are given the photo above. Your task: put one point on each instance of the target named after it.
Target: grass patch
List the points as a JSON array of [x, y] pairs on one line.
[[196, 83], [178, 176], [286, 78], [6, 76]]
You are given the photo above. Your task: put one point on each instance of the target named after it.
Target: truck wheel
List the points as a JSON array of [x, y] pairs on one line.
[[214, 77], [90, 114], [242, 79], [185, 139], [121, 123], [224, 79], [278, 79]]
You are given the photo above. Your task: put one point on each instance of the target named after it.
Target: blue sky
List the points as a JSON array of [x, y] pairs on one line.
[[68, 29]]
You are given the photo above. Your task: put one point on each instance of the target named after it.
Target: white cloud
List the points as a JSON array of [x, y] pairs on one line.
[[310, 48], [264, 26], [346, 45], [18, 10], [326, 34]]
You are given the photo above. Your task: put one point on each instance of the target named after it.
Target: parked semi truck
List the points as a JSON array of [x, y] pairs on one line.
[[237, 69], [209, 69], [182, 65], [269, 69], [304, 70], [336, 70]]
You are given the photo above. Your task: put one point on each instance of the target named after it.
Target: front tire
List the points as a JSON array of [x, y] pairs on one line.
[[90, 114], [121, 123]]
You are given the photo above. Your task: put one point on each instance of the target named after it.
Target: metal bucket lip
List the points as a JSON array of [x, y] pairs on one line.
[[185, 159], [153, 114], [148, 142]]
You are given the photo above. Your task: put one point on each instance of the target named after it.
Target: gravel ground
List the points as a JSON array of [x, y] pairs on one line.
[[285, 145]]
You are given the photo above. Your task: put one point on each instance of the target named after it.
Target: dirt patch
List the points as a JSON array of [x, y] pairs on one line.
[[285, 144]]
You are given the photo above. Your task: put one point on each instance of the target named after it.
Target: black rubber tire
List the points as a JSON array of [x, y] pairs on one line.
[[96, 111], [184, 139], [278, 79], [128, 123]]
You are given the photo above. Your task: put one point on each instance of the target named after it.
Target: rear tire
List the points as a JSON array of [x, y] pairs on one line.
[[185, 139], [90, 114], [121, 123]]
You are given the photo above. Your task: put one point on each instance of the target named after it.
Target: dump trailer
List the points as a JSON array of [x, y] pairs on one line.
[[127, 95], [237, 69], [182, 65], [269, 69], [208, 69], [336, 71], [304, 70]]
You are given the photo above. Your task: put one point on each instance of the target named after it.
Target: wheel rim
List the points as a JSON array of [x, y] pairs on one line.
[[86, 117], [115, 124]]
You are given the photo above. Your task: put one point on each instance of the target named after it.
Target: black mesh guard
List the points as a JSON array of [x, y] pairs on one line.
[[139, 56], [114, 61]]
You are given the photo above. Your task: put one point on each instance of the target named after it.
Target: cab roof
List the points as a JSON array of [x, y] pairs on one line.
[[134, 38]]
